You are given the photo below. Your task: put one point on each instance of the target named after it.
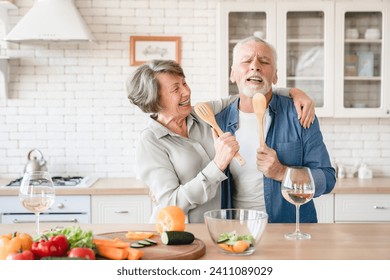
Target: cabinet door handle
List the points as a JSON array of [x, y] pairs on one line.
[[381, 207], [121, 212]]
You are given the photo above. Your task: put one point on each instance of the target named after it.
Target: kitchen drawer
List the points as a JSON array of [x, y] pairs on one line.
[[325, 208], [120, 209], [362, 208]]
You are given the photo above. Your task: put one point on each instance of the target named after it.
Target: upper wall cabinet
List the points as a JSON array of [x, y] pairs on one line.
[[362, 60], [305, 47], [235, 22], [333, 51]]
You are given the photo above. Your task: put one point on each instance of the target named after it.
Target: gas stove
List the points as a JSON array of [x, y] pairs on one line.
[[62, 182]]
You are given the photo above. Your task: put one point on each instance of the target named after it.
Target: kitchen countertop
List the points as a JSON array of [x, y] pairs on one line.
[[329, 241], [103, 186], [377, 185], [132, 186]]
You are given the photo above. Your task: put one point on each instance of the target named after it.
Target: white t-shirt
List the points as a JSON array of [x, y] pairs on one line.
[[249, 192]]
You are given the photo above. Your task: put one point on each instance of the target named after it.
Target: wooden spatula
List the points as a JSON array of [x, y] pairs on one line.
[[206, 113], [260, 106]]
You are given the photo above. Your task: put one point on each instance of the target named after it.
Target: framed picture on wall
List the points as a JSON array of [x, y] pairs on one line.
[[145, 48]]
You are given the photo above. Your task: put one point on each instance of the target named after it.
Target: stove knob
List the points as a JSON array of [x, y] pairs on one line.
[[60, 206]]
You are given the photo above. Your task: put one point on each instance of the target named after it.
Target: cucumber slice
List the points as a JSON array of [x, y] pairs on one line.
[[222, 239], [151, 241], [177, 237], [136, 245], [144, 242]]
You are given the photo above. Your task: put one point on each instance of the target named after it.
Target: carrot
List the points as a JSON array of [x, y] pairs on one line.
[[138, 235], [226, 247], [116, 242], [240, 246], [112, 253], [134, 254]]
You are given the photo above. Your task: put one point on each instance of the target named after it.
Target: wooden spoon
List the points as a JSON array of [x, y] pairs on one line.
[[260, 106], [206, 113]]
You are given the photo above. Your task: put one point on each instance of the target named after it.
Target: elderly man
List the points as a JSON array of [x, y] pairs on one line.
[[257, 184]]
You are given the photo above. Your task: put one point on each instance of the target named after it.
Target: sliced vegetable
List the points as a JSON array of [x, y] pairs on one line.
[[222, 239], [116, 242], [177, 237], [134, 254], [232, 242], [144, 242], [112, 253], [136, 245], [170, 218], [139, 235], [233, 237], [151, 241], [240, 246], [226, 247]]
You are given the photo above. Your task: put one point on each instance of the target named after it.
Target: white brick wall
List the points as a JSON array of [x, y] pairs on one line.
[[69, 100]]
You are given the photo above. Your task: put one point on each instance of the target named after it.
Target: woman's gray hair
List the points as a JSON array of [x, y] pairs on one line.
[[143, 88], [254, 39]]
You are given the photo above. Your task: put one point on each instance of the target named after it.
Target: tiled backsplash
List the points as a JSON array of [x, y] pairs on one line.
[[69, 100]]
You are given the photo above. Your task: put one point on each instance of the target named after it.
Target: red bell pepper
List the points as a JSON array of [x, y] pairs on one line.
[[56, 246]]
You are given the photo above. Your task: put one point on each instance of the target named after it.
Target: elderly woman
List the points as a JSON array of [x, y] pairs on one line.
[[176, 155]]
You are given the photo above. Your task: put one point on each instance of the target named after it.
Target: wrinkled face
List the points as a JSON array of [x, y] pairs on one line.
[[175, 96], [254, 69]]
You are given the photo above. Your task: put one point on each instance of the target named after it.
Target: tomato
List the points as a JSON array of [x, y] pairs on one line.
[[25, 255], [85, 253]]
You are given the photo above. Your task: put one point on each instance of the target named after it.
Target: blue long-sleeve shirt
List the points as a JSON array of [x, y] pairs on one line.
[[294, 146]]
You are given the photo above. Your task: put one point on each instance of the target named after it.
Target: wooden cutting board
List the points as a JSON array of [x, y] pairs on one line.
[[160, 251]]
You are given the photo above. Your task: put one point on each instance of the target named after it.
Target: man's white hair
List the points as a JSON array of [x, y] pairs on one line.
[[254, 39]]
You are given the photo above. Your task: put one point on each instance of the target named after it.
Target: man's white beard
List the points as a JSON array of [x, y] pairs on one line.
[[250, 92]]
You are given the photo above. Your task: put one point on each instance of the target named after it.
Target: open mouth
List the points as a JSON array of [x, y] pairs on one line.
[[185, 103], [255, 79]]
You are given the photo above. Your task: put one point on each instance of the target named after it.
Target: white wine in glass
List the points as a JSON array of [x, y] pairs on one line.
[[298, 188], [36, 193]]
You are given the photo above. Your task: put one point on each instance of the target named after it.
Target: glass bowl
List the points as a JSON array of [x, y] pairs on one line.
[[236, 231]]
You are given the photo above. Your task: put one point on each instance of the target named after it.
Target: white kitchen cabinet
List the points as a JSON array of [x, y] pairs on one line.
[[304, 45], [362, 208], [4, 59], [325, 208], [236, 21], [314, 53], [120, 209], [361, 61]]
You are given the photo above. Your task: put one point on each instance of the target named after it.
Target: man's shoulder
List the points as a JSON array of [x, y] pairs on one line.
[[282, 102], [227, 110]]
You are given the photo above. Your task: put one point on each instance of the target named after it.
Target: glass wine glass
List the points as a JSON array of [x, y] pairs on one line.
[[297, 188], [37, 193]]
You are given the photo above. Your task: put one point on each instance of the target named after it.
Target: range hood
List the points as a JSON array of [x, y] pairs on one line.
[[51, 20]]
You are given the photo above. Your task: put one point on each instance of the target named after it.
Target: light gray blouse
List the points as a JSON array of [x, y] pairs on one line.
[[181, 171]]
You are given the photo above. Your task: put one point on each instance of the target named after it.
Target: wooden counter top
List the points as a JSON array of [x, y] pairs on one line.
[[378, 185], [132, 186], [328, 242], [103, 186]]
